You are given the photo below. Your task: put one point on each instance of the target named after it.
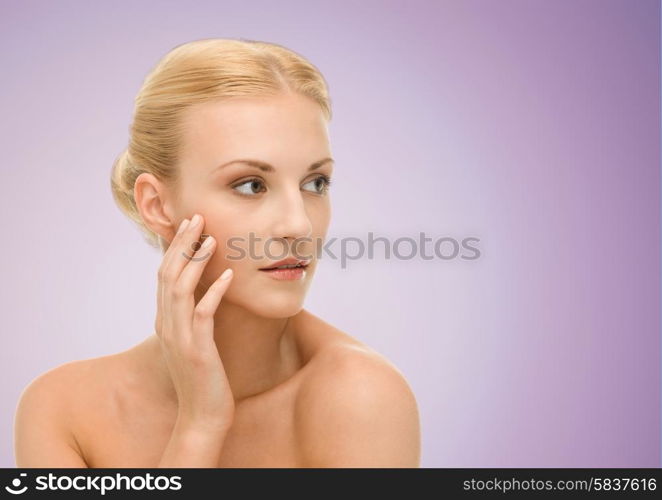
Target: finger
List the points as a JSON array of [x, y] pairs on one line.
[[203, 316], [183, 248], [167, 256], [173, 255], [178, 305], [189, 278], [177, 257], [161, 282], [183, 302]]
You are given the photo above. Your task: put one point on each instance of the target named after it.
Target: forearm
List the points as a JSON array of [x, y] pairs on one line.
[[193, 445]]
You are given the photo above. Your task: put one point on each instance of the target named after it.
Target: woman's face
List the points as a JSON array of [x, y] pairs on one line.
[[257, 216]]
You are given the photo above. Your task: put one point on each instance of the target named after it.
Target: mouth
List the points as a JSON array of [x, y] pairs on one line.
[[294, 270], [287, 264]]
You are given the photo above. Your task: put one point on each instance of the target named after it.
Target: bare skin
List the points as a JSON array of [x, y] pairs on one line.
[[115, 411], [123, 418], [255, 380]]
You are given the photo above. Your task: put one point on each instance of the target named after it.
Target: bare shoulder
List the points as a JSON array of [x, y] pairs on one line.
[[58, 407], [55, 388], [44, 419], [70, 384], [355, 408]]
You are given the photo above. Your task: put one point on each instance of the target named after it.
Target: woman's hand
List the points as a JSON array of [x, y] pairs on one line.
[[186, 331]]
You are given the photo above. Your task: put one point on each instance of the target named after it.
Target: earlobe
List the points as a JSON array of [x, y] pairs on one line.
[[152, 205]]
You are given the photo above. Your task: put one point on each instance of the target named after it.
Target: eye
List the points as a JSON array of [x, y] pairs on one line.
[[322, 184], [253, 186], [251, 183]]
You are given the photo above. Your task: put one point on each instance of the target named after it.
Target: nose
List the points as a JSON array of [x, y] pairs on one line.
[[291, 220]]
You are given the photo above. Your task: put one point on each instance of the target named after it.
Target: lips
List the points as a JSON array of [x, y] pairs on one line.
[[287, 262]]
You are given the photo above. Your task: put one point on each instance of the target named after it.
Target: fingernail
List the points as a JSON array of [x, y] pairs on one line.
[[226, 274], [194, 221], [207, 242]]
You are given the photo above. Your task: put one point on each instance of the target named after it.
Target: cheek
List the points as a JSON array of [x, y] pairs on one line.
[[320, 220], [233, 236]]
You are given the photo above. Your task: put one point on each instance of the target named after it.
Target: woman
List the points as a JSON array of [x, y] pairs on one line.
[[229, 145]]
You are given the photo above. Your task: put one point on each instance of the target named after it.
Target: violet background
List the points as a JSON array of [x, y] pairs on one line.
[[532, 125]]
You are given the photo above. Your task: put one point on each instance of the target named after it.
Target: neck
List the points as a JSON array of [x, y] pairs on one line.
[[257, 353]]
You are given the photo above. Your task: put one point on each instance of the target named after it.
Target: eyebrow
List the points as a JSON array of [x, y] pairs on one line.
[[265, 167]]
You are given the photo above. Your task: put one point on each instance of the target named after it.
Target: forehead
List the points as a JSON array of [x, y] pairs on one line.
[[284, 126]]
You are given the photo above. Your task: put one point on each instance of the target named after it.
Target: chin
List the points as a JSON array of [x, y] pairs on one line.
[[268, 302], [276, 307]]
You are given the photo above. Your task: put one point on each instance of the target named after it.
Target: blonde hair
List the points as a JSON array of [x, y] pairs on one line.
[[193, 73]]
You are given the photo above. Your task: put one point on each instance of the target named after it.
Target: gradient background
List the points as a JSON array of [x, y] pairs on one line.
[[531, 125]]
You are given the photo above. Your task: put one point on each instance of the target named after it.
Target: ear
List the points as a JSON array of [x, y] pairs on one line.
[[153, 203]]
